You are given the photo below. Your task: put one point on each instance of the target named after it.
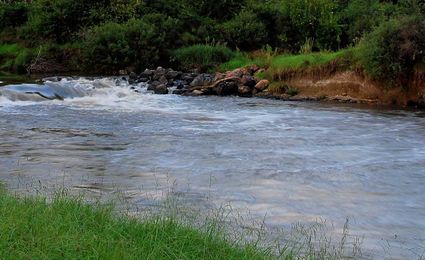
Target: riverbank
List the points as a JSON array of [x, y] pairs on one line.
[[331, 77], [322, 76], [68, 228]]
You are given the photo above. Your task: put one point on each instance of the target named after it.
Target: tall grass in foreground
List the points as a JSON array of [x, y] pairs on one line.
[[68, 228]]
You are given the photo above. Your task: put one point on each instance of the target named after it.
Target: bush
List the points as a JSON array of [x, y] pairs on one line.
[[57, 21], [361, 16], [245, 31], [13, 14], [392, 49], [202, 56], [112, 46], [14, 58], [316, 20]]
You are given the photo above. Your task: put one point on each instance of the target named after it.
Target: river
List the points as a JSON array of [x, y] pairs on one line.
[[288, 161]]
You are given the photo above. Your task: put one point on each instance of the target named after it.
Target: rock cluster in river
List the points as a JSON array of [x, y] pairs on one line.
[[240, 82]]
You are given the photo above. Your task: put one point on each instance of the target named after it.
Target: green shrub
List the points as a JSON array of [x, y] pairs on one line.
[[361, 16], [13, 14], [14, 58], [245, 31], [202, 56], [392, 50], [57, 20], [112, 46], [316, 20]]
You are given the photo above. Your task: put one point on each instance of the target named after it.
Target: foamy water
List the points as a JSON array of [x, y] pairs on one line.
[[287, 161]]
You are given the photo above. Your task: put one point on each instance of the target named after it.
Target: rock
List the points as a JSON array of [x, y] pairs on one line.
[[161, 89], [180, 91], [143, 79], [152, 86], [239, 73], [132, 76], [262, 85], [187, 77], [159, 72], [253, 69], [197, 93], [146, 74], [248, 81], [244, 91], [163, 80], [227, 88], [178, 84], [171, 74], [219, 76], [202, 80]]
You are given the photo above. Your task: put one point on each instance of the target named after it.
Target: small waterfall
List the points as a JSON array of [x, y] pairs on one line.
[[65, 88]]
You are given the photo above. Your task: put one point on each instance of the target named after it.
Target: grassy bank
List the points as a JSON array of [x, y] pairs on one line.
[[280, 68], [284, 61], [68, 228]]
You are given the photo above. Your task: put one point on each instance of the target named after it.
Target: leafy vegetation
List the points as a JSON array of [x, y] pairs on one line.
[[392, 50], [202, 55], [135, 34]]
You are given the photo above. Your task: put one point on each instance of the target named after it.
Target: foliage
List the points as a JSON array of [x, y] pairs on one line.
[[13, 14], [114, 46], [392, 50], [245, 31], [14, 58], [240, 60], [361, 16], [202, 56], [315, 19], [286, 26]]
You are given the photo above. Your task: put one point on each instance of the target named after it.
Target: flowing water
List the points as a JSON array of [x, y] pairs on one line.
[[287, 161]]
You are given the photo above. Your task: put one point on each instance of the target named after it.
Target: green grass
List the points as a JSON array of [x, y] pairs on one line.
[[285, 61], [32, 228], [240, 60], [304, 60], [10, 49], [202, 56], [14, 57]]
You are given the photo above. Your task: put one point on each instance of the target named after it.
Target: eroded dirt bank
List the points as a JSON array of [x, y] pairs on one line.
[[349, 87]]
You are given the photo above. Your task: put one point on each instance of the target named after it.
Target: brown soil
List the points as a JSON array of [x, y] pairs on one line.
[[354, 87]]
